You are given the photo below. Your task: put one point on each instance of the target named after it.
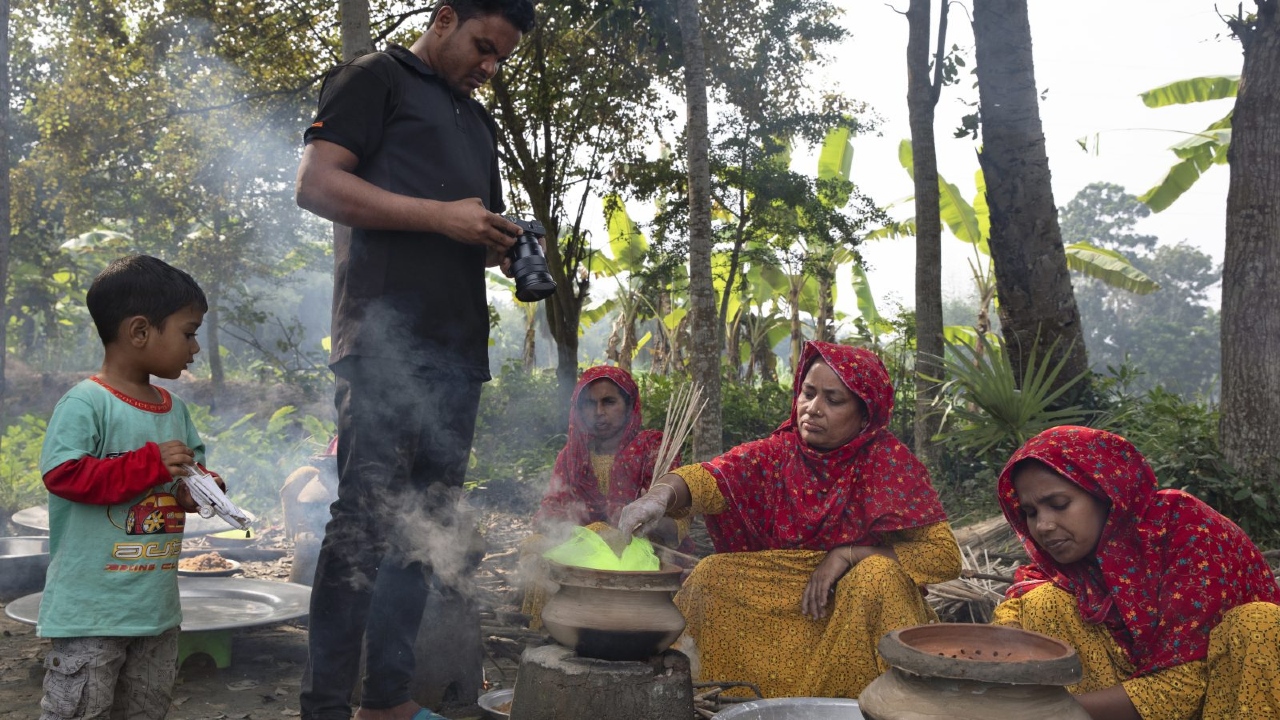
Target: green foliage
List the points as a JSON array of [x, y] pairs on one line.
[[1171, 335], [749, 411], [520, 427], [1179, 438], [20, 483], [986, 410], [255, 456]]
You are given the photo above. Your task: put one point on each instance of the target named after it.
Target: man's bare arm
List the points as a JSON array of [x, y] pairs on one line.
[[328, 186]]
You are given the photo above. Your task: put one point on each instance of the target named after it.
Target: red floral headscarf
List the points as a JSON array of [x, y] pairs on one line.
[[782, 494], [1167, 566], [574, 495]]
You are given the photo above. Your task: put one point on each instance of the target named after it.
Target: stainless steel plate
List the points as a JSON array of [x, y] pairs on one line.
[[37, 518], [214, 603], [32, 518], [492, 699], [798, 708]]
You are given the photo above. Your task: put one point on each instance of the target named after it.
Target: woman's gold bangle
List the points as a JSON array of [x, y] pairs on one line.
[[852, 562], [675, 494]]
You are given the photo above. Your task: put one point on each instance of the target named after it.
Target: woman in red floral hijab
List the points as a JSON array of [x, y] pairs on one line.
[[604, 422], [1163, 597], [825, 533]]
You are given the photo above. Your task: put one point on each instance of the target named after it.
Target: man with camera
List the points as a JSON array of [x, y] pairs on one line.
[[404, 162]]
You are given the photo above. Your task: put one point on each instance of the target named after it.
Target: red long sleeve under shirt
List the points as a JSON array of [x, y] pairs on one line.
[[107, 481]]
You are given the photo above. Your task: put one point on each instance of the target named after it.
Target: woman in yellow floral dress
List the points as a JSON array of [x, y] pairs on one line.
[[825, 533], [1171, 607]]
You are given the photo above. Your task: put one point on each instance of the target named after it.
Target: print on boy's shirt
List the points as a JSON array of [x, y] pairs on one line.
[[157, 513], [126, 555]]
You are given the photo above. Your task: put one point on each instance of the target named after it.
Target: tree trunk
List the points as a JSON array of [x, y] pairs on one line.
[[356, 40], [1250, 422], [922, 98], [212, 344], [704, 318], [6, 229], [825, 329], [529, 353], [660, 348], [797, 337], [1037, 303]]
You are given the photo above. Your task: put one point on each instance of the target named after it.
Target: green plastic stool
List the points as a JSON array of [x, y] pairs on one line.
[[214, 643]]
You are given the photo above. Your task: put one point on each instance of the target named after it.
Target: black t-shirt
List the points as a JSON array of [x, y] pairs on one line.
[[415, 298]]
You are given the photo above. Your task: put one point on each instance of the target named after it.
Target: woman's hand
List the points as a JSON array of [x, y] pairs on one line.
[[641, 517], [822, 584]]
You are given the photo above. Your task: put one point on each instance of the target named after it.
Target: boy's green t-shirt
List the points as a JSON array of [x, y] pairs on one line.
[[113, 568]]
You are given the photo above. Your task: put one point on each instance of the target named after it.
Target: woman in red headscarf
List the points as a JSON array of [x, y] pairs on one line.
[[825, 533], [1173, 610]]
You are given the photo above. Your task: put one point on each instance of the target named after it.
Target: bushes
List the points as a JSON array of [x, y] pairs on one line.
[[1180, 440], [20, 484]]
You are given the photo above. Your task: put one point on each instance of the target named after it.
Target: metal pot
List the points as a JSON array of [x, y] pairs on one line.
[[23, 562]]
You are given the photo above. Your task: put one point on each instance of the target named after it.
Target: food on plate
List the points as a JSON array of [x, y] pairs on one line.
[[208, 562]]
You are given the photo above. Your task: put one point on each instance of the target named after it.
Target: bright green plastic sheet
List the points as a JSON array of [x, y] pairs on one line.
[[586, 549]]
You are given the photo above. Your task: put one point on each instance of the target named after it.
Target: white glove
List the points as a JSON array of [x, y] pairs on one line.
[[643, 515]]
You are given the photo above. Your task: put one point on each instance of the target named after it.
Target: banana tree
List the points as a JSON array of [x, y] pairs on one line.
[[639, 295], [971, 223], [1201, 150]]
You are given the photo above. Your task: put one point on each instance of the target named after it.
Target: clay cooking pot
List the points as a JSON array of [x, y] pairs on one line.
[[963, 670], [613, 615]]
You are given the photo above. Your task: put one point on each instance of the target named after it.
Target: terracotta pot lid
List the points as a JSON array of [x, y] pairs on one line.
[[985, 653]]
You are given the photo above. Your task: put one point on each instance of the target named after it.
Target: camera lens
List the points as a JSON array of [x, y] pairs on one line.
[[529, 266]]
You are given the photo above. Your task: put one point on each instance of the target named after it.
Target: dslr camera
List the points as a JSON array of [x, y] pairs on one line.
[[529, 263]]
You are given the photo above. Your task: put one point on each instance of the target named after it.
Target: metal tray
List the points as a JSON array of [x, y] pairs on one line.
[[214, 603], [37, 518]]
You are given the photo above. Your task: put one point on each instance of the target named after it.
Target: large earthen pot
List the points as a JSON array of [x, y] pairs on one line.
[[982, 672], [614, 615]]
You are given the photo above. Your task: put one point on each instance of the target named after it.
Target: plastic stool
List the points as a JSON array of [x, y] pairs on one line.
[[214, 643]]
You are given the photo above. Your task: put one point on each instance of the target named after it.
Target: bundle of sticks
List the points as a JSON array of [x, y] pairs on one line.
[[683, 411]]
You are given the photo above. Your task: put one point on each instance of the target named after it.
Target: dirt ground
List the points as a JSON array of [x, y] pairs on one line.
[[265, 673]]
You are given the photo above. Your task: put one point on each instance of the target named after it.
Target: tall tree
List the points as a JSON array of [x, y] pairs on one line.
[[922, 99], [705, 320], [5, 228], [356, 38], [1037, 304], [1250, 422]]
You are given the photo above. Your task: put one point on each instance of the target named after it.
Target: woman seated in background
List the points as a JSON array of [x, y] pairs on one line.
[[825, 533], [607, 462], [1172, 609]]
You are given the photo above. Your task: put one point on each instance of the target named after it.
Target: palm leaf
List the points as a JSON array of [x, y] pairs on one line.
[[983, 406]]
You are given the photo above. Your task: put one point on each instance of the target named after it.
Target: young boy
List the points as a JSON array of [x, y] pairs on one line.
[[114, 453]]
